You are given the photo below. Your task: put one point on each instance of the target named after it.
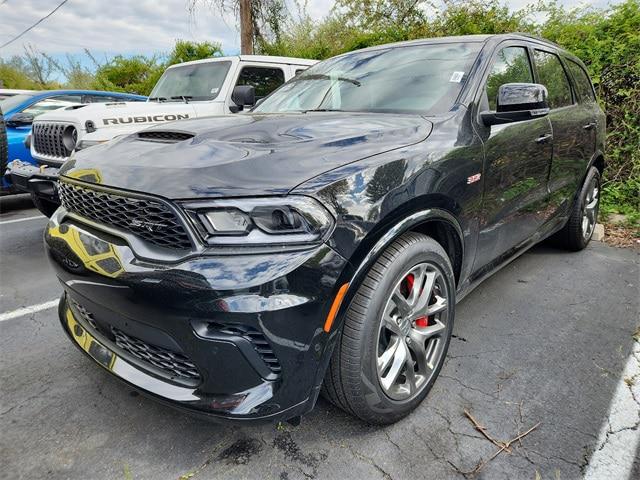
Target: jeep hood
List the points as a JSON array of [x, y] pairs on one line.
[[242, 155], [121, 114]]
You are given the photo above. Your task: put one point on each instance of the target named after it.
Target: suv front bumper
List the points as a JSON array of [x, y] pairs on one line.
[[233, 337]]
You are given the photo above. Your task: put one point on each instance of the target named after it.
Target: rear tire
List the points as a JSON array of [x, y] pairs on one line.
[[577, 232], [382, 334]]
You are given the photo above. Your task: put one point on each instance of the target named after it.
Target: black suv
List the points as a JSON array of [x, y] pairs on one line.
[[239, 266]]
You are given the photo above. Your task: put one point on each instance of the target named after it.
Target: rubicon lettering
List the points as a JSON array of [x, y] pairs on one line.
[[149, 118]]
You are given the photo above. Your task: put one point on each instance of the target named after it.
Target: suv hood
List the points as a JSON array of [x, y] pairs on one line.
[[121, 114], [243, 155]]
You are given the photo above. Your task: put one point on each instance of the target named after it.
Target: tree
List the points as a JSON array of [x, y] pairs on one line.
[[382, 14], [137, 74], [77, 75], [255, 17], [185, 51], [39, 67]]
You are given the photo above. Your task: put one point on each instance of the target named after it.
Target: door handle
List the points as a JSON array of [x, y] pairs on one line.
[[544, 138], [590, 125]]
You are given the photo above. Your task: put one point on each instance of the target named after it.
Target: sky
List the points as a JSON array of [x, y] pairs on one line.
[[109, 27]]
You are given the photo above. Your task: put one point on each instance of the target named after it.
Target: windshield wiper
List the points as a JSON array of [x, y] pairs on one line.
[[322, 76], [158, 99], [184, 98]]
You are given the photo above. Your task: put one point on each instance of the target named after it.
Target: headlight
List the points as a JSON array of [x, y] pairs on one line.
[[69, 138], [261, 221]]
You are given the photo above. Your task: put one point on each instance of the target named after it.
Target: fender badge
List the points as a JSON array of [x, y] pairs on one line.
[[473, 178]]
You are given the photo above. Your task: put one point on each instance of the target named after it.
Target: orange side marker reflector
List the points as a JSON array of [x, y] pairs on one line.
[[335, 307]]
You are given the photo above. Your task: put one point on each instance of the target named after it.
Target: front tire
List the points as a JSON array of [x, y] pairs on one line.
[[577, 233], [396, 333]]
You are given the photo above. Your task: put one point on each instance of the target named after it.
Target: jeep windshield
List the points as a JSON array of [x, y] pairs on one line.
[[423, 79], [199, 81]]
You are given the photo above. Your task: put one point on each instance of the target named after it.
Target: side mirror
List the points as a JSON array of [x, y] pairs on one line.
[[20, 120], [244, 96], [517, 102]]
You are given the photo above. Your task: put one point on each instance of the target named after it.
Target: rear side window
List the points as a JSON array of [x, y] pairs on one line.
[[103, 99], [552, 75], [583, 84], [510, 66], [265, 80]]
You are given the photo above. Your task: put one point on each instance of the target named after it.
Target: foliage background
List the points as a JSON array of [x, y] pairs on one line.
[[607, 40]]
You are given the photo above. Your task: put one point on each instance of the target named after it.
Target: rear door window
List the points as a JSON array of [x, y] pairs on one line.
[[551, 74], [583, 84], [511, 65], [264, 79]]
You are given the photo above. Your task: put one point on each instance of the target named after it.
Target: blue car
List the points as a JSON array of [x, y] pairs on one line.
[[20, 110]]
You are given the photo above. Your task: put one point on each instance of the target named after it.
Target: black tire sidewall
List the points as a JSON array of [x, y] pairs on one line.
[[386, 409], [579, 239]]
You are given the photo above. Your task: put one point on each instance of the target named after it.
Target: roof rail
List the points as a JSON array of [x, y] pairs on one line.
[[536, 37]]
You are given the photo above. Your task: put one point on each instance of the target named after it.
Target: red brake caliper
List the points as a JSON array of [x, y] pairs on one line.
[[420, 321]]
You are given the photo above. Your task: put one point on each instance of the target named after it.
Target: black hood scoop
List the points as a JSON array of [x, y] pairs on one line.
[[162, 136]]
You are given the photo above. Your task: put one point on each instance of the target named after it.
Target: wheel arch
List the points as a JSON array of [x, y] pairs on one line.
[[597, 161], [436, 222]]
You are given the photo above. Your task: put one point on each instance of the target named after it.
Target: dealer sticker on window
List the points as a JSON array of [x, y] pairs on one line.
[[456, 77]]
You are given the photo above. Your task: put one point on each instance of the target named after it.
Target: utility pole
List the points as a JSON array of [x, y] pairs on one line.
[[246, 28]]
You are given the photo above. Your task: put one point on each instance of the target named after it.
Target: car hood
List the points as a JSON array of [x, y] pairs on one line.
[[243, 155], [118, 114]]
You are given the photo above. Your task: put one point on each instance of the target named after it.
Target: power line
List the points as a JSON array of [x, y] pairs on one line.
[[35, 24]]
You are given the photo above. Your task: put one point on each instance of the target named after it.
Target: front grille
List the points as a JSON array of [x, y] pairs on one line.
[[152, 220], [164, 137], [47, 139], [257, 339], [171, 362]]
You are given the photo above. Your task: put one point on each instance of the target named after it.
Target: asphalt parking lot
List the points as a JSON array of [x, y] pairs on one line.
[[548, 342]]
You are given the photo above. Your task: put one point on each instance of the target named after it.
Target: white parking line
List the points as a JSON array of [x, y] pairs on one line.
[[21, 219], [619, 435], [27, 310]]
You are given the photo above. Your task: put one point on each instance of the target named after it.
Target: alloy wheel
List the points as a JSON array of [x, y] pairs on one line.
[[590, 211], [411, 338]]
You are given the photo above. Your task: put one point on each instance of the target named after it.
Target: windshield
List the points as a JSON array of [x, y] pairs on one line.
[[201, 81], [423, 79], [10, 103]]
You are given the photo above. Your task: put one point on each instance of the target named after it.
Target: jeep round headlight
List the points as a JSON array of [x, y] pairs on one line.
[[261, 221], [69, 138]]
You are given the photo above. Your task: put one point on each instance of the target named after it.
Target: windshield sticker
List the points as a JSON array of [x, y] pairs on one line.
[[215, 90], [456, 77]]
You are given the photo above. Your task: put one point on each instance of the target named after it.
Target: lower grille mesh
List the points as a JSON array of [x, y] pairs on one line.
[[173, 363]]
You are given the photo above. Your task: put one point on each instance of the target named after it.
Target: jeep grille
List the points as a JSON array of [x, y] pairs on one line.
[[47, 139]]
